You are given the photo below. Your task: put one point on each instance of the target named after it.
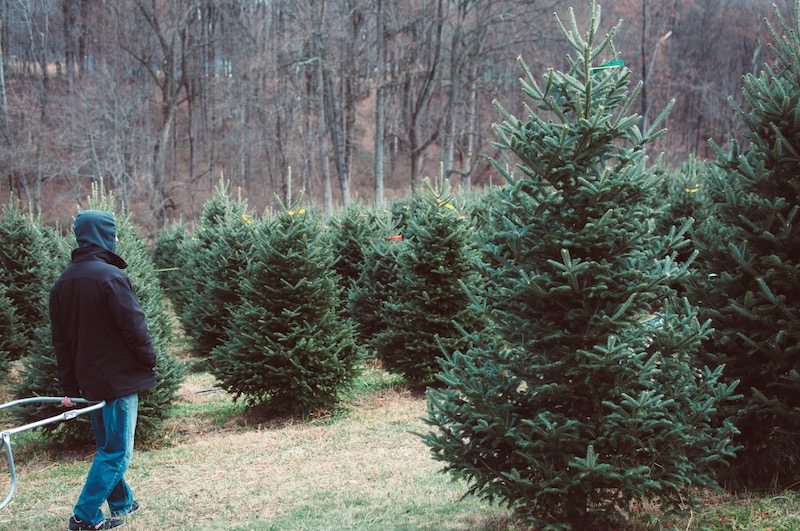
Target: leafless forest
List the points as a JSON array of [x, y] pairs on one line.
[[342, 101]]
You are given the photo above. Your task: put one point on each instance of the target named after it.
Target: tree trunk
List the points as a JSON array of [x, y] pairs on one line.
[[418, 101], [325, 165], [70, 21], [645, 73], [329, 99], [472, 134], [3, 98], [159, 199], [380, 108], [84, 62]]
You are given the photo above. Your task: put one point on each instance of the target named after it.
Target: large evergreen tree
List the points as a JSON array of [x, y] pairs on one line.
[[750, 255], [289, 347], [350, 234], [39, 375], [572, 404]]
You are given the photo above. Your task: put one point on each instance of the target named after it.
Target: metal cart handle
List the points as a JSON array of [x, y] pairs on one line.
[[67, 415]]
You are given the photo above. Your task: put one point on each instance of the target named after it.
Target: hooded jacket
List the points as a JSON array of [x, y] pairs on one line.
[[103, 347]]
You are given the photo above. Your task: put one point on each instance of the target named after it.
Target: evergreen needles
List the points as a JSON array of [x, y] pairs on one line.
[[750, 256], [39, 375], [574, 402], [288, 347]]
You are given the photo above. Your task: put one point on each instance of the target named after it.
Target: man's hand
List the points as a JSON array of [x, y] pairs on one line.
[[67, 401]]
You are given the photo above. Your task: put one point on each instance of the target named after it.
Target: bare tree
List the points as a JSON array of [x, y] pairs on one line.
[[418, 50], [160, 97], [323, 117], [3, 94], [36, 25], [155, 36], [656, 21], [380, 103], [481, 35]]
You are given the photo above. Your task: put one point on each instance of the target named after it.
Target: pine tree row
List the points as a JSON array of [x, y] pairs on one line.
[[32, 258], [284, 310], [598, 332]]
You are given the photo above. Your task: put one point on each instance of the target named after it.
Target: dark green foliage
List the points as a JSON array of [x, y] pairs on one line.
[[350, 234], [575, 402], [682, 201], [38, 378], [12, 340], [28, 267], [169, 259], [154, 404], [39, 375], [750, 250], [402, 210], [479, 209], [427, 297], [289, 347], [683, 196], [214, 261], [372, 287]]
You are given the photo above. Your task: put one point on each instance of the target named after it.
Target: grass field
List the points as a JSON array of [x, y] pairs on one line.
[[221, 467]]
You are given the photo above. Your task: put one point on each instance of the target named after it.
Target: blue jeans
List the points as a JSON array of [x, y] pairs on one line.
[[114, 427]]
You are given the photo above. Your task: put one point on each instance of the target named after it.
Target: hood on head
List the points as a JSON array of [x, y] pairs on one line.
[[94, 227]]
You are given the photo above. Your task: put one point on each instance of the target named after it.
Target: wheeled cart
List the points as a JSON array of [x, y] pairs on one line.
[[67, 415]]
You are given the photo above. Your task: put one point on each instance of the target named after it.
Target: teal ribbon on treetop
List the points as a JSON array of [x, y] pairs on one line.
[[611, 64]]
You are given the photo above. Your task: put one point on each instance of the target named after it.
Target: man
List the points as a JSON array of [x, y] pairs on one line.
[[104, 352]]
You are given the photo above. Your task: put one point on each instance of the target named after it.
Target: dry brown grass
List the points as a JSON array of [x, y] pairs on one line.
[[221, 467], [361, 470]]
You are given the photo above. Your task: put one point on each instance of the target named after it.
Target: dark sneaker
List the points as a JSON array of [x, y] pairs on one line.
[[120, 514], [76, 523]]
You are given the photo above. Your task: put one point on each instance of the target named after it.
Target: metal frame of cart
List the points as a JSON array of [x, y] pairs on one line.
[[67, 415]]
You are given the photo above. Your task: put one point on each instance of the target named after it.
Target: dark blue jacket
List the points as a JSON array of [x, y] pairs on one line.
[[100, 334]]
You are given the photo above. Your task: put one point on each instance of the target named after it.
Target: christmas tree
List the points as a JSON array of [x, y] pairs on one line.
[[169, 259], [350, 235], [750, 250], [427, 296], [583, 394], [372, 287], [289, 347], [28, 267], [39, 375], [12, 340], [214, 261], [683, 195]]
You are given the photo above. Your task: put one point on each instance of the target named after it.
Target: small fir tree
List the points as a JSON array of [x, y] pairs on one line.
[[372, 287], [215, 260], [683, 200], [28, 267], [39, 375], [170, 258], [750, 250], [350, 235], [570, 406], [402, 210], [12, 339], [427, 297], [289, 347], [683, 195]]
